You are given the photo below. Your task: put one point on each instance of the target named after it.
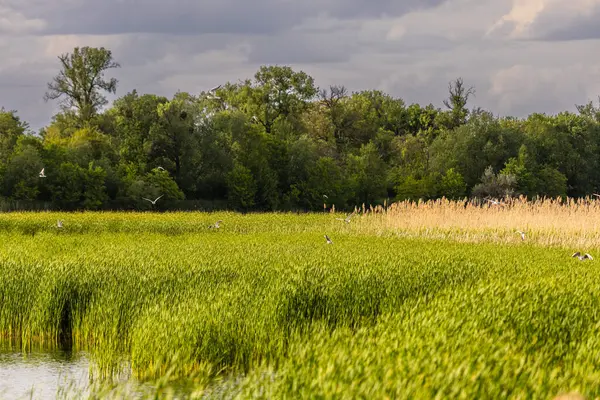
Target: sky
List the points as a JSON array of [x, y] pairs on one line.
[[521, 56]]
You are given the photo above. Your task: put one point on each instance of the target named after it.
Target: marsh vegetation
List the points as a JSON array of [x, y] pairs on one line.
[[414, 301]]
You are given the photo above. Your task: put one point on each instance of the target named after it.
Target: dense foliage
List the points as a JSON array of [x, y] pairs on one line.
[[277, 142], [267, 300]]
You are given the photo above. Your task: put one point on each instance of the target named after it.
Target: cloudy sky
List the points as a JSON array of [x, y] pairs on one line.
[[521, 56]]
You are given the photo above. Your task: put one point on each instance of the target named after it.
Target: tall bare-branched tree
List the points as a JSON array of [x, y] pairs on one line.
[[80, 82]]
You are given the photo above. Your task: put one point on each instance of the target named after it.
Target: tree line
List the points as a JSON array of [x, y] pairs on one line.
[[278, 142]]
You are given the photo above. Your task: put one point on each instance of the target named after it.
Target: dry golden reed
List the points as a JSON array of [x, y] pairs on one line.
[[547, 222]]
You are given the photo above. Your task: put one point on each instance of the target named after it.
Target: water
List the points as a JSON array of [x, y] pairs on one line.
[[61, 374], [41, 374]]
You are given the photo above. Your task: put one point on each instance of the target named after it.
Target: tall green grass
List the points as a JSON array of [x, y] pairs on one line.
[[267, 300]]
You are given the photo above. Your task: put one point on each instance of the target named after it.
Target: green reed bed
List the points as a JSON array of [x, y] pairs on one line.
[[264, 299]]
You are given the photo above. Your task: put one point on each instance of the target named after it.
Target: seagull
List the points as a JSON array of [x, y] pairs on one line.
[[495, 202], [42, 175], [347, 219], [582, 257], [329, 241], [153, 201], [217, 225], [522, 235], [59, 224]]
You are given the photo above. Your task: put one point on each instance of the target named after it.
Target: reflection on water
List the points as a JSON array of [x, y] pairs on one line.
[[41, 374], [59, 374]]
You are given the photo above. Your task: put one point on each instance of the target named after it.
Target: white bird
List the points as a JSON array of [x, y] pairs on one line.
[[217, 225], [160, 168], [522, 235], [59, 224], [595, 194], [329, 241], [153, 201], [347, 219], [42, 175], [255, 119], [215, 88], [325, 196], [582, 257], [495, 202]]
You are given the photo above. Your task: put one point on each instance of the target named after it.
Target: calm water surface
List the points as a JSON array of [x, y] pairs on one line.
[[59, 374], [41, 374]]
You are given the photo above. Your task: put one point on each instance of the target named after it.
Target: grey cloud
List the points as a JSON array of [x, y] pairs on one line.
[[411, 44], [334, 42], [142, 49], [583, 27], [556, 22], [27, 99], [186, 17], [298, 47], [430, 85]]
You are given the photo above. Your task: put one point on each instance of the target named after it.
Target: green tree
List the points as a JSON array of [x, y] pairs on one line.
[[94, 192], [11, 129], [21, 178], [160, 183], [453, 185], [276, 92], [367, 176], [495, 185], [411, 188], [136, 117], [552, 182], [80, 82], [174, 139], [67, 186], [242, 187], [457, 103], [483, 141]]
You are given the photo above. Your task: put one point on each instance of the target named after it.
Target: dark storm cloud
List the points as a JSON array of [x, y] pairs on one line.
[[187, 17]]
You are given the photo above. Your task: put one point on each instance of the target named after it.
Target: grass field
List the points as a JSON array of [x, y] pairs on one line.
[[430, 300]]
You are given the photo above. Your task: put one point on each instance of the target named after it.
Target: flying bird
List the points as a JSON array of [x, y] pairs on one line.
[[215, 88], [522, 235], [347, 219], [217, 225], [595, 194], [325, 196], [495, 202], [59, 224], [153, 201], [42, 174], [160, 168], [582, 257], [329, 241]]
